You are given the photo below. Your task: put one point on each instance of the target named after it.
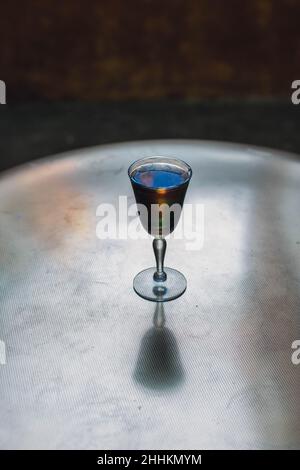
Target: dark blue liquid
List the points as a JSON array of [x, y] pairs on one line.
[[163, 187], [156, 179]]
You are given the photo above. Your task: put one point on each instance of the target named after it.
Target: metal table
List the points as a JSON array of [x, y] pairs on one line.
[[85, 367]]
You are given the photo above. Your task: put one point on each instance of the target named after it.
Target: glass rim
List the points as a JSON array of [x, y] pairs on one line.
[[181, 163]]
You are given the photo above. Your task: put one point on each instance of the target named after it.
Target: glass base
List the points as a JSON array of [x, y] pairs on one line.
[[173, 287]]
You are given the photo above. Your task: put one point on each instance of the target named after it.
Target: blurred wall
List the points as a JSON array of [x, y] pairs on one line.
[[144, 49]]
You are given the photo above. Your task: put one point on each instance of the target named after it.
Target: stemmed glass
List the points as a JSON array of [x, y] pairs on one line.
[[159, 185]]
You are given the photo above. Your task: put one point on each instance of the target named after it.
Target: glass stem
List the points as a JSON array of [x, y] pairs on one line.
[[159, 247]]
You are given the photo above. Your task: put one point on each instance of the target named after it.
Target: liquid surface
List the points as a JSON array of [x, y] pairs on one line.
[[157, 178]]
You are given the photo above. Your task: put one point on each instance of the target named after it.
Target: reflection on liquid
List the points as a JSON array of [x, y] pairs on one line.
[[159, 365]]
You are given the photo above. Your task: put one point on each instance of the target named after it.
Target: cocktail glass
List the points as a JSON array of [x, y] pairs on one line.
[[159, 185]]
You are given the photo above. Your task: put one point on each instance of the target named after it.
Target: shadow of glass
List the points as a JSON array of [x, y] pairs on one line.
[[159, 365]]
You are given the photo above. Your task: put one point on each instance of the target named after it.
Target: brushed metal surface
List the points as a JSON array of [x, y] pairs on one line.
[[86, 368]]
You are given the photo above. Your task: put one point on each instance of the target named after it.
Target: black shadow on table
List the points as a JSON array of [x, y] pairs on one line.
[[159, 364]]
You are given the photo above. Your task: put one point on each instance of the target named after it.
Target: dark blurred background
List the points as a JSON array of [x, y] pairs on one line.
[[81, 73]]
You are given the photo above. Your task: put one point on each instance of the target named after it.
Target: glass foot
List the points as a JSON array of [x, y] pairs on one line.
[[173, 287]]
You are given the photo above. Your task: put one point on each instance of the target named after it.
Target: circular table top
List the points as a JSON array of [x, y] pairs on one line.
[[84, 365]]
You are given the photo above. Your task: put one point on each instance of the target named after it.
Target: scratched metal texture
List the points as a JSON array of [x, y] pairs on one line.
[[85, 366]]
